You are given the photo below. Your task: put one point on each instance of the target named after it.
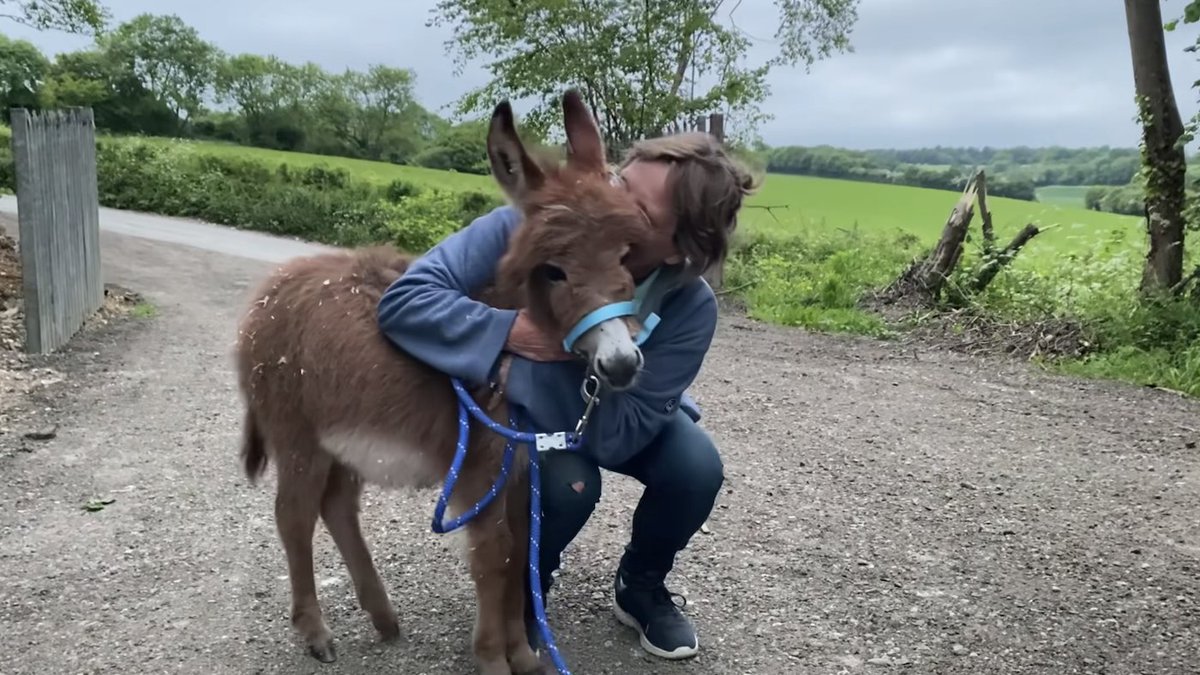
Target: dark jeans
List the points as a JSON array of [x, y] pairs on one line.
[[683, 474]]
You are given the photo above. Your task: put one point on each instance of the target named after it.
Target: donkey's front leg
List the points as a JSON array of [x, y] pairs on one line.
[[521, 657], [491, 545]]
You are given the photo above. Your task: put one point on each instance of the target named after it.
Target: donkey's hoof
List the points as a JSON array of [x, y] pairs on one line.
[[493, 668], [525, 661], [543, 667], [324, 651], [388, 627]]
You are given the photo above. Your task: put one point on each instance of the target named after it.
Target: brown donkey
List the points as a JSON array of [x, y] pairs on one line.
[[336, 406]]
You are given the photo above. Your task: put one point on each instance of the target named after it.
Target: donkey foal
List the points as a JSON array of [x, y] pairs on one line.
[[335, 405]]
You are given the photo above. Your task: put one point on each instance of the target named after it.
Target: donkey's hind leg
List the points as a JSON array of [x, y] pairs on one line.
[[302, 473], [339, 510]]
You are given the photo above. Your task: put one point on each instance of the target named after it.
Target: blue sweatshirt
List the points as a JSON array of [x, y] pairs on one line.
[[428, 313]]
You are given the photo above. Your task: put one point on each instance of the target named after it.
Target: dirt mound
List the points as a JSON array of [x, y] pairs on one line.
[[972, 332], [12, 332], [10, 270], [969, 332]]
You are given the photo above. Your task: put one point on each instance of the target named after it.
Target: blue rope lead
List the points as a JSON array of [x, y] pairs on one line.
[[460, 454], [536, 442], [561, 440], [535, 555]]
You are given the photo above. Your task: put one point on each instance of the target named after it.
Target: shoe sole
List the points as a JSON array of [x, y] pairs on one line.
[[676, 654]]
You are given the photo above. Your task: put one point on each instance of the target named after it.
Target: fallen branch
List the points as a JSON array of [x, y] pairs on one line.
[[770, 209], [735, 289], [1004, 257], [1181, 287], [973, 332]]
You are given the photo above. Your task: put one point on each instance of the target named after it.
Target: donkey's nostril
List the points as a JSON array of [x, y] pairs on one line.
[[619, 373]]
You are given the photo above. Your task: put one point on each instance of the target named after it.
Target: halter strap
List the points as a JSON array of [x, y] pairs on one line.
[[612, 310]]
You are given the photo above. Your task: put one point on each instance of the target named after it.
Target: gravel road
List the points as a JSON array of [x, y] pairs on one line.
[[887, 509]]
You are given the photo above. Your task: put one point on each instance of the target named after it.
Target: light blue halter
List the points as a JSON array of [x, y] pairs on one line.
[[625, 308]]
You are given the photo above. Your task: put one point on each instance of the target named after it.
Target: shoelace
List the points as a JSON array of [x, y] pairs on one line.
[[664, 595], [660, 595]]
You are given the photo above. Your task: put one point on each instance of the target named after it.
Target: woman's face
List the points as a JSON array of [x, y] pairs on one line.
[[647, 182]]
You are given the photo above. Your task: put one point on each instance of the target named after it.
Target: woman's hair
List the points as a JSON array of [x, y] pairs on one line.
[[707, 187]]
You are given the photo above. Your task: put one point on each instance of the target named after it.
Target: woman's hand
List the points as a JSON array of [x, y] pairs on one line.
[[526, 339]]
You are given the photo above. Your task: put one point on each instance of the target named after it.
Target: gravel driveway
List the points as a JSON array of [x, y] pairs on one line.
[[885, 510]]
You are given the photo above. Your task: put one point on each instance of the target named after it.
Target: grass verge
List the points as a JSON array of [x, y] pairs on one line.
[[1082, 316]]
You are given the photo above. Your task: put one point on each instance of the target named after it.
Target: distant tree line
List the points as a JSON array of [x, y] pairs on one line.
[[154, 75], [1012, 172], [1129, 200], [1043, 166]]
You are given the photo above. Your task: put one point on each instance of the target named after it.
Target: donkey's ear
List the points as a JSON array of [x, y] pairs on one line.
[[585, 146], [512, 167]]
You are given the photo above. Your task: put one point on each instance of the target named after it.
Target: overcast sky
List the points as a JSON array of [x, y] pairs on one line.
[[924, 72]]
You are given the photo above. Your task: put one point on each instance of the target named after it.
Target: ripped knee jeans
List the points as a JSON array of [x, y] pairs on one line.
[[682, 472]]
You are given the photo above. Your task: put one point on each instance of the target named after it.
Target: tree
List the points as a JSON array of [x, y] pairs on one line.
[[462, 147], [23, 69], [646, 68], [273, 97], [374, 113], [168, 57], [72, 16], [121, 104], [1191, 14], [1164, 163]]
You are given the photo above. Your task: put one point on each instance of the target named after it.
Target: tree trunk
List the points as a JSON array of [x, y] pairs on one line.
[[1164, 162]]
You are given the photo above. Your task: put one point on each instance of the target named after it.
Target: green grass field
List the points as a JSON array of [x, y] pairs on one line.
[[375, 172], [1063, 195], [825, 204]]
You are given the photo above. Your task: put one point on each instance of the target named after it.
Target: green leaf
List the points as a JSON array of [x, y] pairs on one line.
[[98, 504]]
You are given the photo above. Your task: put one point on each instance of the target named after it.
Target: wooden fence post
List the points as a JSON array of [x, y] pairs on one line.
[[715, 276], [716, 126], [58, 208]]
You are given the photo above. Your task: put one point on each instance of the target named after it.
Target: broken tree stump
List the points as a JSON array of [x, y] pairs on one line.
[[924, 279], [985, 215], [923, 282]]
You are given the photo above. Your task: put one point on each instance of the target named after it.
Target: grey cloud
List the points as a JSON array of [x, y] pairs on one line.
[[928, 72], [924, 72]]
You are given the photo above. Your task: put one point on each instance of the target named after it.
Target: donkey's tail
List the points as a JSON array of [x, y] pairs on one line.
[[254, 452]]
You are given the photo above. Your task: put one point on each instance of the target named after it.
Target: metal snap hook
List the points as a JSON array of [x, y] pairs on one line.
[[592, 397]]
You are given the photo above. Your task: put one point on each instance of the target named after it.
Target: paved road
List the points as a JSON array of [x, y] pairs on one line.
[[884, 509], [191, 233]]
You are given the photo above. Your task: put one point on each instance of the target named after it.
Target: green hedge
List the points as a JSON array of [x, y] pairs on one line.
[[8, 175], [316, 203]]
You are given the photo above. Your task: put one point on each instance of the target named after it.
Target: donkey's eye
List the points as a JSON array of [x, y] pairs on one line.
[[553, 272]]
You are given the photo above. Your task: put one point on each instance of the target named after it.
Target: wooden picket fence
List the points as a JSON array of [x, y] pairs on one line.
[[58, 206]]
